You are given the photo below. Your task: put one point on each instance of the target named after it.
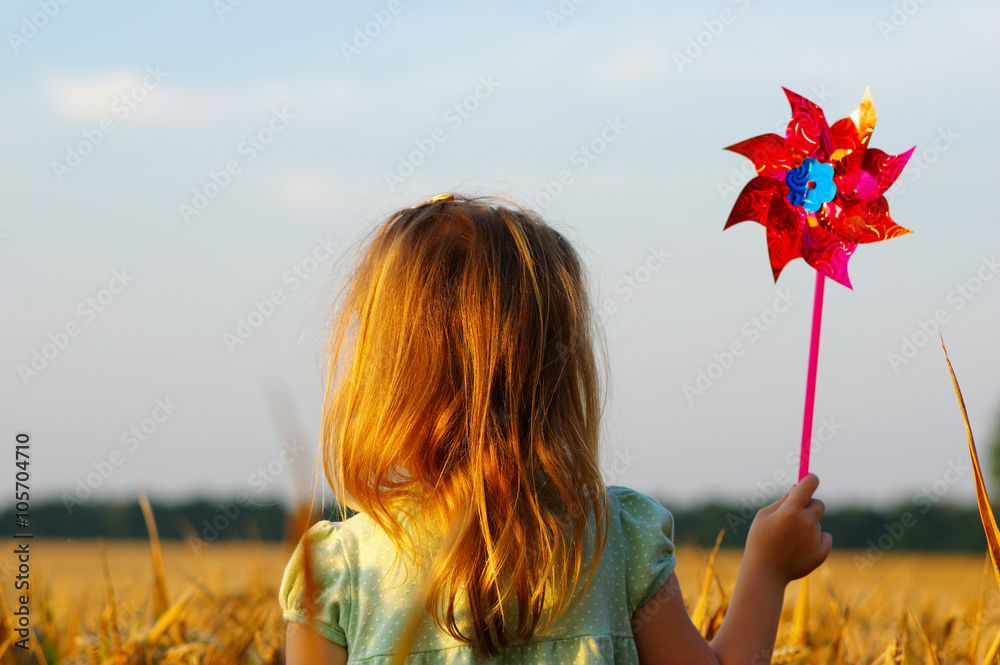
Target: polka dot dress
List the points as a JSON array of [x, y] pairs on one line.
[[364, 599]]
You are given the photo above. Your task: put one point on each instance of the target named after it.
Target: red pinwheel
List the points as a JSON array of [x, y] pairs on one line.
[[819, 190]]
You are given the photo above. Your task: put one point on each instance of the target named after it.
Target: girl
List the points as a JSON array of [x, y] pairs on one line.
[[463, 428]]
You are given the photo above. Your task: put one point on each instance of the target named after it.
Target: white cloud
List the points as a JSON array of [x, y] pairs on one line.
[[87, 97], [310, 191], [635, 64]]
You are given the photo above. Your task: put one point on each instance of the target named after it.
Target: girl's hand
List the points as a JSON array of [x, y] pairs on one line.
[[785, 539]]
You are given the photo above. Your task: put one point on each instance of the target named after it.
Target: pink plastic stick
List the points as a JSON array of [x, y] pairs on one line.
[[807, 419]]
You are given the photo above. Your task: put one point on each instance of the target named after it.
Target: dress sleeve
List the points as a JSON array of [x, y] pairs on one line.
[[332, 578], [648, 528]]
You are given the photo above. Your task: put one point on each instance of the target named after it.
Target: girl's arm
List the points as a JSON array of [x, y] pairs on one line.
[[784, 543], [307, 647]]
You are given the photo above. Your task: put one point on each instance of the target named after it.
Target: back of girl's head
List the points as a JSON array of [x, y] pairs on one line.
[[463, 396]]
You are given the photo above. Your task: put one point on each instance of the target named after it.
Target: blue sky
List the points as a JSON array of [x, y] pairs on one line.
[[278, 125]]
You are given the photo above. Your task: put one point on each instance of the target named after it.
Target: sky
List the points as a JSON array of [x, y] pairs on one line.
[[179, 181]]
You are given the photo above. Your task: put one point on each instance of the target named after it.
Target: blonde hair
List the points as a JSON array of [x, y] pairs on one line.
[[469, 397]]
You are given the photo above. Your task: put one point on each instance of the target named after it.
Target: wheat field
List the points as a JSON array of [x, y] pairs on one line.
[[218, 604]]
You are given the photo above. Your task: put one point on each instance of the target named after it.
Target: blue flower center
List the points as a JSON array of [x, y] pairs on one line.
[[810, 184]]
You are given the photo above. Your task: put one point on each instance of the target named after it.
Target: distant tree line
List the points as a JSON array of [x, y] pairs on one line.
[[938, 527], [933, 528]]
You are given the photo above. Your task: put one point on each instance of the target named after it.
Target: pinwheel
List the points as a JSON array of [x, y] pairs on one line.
[[819, 192]]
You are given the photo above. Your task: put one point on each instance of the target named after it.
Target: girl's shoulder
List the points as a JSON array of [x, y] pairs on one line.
[[642, 531], [621, 492], [343, 541], [633, 504], [325, 531], [329, 575]]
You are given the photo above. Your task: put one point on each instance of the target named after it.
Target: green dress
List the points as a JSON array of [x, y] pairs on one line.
[[364, 603]]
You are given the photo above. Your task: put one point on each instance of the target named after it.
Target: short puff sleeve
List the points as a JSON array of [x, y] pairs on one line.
[[332, 577], [648, 528]]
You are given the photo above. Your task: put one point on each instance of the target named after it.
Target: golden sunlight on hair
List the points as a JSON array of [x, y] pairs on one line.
[[461, 372]]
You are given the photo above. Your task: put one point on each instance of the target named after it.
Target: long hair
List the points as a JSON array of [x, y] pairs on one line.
[[468, 399]]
